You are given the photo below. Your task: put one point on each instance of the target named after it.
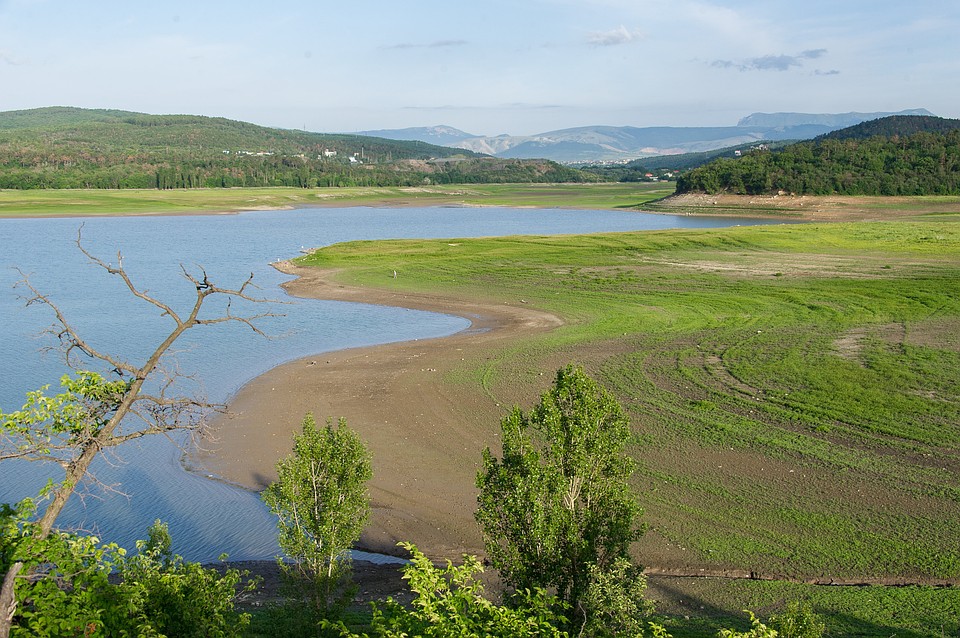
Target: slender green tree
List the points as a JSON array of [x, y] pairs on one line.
[[556, 511], [320, 498]]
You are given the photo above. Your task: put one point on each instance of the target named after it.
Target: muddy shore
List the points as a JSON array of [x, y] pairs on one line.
[[425, 432]]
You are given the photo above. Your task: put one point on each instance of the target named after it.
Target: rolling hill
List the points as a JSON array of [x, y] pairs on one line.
[[65, 147], [71, 129], [439, 135], [896, 155]]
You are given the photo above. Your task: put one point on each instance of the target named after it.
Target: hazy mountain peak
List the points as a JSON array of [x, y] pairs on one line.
[[623, 143], [441, 135], [833, 120]]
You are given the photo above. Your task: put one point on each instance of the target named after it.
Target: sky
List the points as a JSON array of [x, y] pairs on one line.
[[487, 67]]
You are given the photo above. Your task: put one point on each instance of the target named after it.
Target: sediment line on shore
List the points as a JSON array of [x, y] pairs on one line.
[[425, 433]]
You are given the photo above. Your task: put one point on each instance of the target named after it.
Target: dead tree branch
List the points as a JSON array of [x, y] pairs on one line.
[[95, 413]]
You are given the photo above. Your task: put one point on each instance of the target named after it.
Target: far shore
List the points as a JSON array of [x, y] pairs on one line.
[[639, 197], [138, 202]]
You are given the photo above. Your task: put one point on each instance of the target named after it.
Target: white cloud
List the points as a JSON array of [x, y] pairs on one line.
[[620, 35]]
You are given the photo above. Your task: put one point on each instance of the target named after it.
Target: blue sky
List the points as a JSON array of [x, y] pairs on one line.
[[488, 66]]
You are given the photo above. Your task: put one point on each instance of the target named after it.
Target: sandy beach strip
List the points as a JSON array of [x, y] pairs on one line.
[[425, 432]]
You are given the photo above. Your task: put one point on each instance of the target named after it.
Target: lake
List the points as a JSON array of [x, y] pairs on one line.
[[144, 481]]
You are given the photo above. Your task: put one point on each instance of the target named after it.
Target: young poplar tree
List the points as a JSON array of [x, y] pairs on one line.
[[320, 497], [556, 511]]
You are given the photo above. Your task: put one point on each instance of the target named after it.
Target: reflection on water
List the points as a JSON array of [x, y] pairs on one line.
[[144, 480]]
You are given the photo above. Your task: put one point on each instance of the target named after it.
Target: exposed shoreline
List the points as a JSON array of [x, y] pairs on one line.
[[424, 424], [425, 430], [810, 208], [425, 433]]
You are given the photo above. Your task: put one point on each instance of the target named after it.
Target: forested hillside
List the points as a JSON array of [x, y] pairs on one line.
[[63, 147], [889, 156], [895, 125]]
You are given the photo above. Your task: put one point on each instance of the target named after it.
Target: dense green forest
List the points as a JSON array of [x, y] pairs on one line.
[[913, 155], [62, 147], [895, 125]]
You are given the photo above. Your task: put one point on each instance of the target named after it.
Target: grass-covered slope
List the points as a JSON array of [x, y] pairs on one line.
[[794, 389], [50, 203], [74, 130], [793, 392]]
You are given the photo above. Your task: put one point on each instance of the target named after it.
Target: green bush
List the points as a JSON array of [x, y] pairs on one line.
[[798, 621], [164, 595], [449, 602], [65, 587]]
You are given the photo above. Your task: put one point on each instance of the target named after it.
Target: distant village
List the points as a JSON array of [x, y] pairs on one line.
[[327, 153]]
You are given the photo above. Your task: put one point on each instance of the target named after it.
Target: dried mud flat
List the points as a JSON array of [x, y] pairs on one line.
[[813, 208], [425, 433]]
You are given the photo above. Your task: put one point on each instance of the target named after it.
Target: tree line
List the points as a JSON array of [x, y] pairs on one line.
[[231, 171], [924, 163]]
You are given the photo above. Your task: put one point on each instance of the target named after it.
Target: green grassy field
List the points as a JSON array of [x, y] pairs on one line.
[[50, 203], [704, 605], [794, 390]]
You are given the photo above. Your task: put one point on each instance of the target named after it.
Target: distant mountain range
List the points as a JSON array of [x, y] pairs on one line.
[[621, 143], [438, 135]]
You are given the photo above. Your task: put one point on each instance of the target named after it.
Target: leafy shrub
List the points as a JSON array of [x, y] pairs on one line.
[[757, 630], [164, 595], [449, 602], [614, 604], [798, 621], [63, 589]]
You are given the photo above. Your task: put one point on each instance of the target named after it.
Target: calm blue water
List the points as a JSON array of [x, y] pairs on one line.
[[144, 481]]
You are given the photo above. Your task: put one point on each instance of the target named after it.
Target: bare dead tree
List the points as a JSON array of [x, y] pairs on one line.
[[99, 405]]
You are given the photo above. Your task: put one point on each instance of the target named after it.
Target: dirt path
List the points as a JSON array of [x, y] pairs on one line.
[[425, 432]]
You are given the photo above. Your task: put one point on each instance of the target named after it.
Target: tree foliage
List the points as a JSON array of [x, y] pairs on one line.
[[556, 511], [66, 589], [63, 589], [161, 594], [450, 602], [320, 498], [923, 163]]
